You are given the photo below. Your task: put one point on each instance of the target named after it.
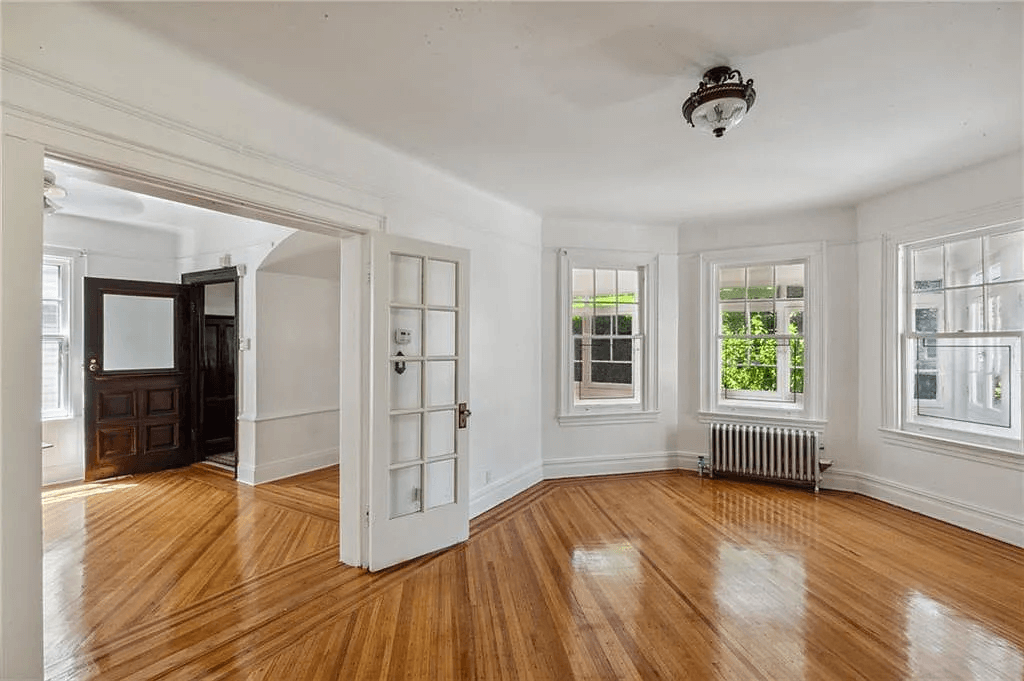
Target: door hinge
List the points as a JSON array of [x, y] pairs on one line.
[[366, 517]]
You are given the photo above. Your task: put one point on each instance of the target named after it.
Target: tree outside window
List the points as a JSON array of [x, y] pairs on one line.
[[761, 331]]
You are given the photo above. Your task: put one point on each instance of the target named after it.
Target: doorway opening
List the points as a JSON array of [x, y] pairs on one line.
[[214, 297], [263, 417]]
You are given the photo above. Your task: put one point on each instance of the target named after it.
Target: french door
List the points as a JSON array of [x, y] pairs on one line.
[[419, 470]]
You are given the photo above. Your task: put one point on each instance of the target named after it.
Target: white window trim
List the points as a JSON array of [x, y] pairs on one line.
[[811, 412], [67, 264], [612, 412], [894, 428]]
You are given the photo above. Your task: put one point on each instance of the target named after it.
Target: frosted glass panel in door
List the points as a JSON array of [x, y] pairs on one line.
[[440, 283], [440, 333], [440, 483], [405, 438], [440, 433], [138, 333], [405, 387], [405, 490], [440, 384], [406, 279], [404, 319]]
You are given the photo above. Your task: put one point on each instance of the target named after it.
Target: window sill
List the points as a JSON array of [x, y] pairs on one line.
[[608, 418], [57, 418], [781, 420], [954, 448]]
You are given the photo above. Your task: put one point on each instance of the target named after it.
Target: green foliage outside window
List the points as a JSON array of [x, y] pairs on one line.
[[751, 363]]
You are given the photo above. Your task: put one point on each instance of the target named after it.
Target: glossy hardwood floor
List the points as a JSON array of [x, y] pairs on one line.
[[186, 575]]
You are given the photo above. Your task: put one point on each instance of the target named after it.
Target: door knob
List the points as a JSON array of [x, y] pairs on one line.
[[464, 414], [94, 365]]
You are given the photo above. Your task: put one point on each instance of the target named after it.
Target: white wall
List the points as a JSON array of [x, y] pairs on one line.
[[572, 450], [295, 426], [837, 229], [981, 493], [115, 249]]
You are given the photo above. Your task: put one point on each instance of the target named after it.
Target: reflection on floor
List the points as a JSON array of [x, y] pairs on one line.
[[188, 575]]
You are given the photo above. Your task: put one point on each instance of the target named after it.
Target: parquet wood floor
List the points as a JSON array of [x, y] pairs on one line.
[[187, 575]]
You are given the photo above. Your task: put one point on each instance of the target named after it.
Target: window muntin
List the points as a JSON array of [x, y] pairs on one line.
[[56, 285], [961, 344], [760, 331], [605, 321]]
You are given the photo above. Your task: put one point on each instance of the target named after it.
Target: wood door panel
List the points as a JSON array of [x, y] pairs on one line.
[[116, 404], [217, 410], [162, 401], [160, 437], [136, 420], [115, 442]]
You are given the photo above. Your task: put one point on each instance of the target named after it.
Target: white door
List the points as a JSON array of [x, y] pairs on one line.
[[419, 470]]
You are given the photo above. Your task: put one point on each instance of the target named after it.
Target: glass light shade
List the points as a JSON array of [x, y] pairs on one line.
[[718, 115]]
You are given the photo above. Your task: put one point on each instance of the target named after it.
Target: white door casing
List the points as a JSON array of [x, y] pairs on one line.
[[419, 470]]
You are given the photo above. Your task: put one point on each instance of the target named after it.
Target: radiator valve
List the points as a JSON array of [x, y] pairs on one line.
[[701, 465]]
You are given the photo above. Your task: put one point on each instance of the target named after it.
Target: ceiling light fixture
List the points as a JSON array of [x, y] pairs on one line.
[[51, 191], [718, 104]]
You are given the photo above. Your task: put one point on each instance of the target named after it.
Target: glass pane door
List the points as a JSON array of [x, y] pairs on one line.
[[423, 323]]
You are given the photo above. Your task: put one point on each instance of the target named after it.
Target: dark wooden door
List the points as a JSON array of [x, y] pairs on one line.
[[217, 432], [137, 377]]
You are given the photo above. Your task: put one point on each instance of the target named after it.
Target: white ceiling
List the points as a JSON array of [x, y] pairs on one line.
[[573, 109], [93, 194]]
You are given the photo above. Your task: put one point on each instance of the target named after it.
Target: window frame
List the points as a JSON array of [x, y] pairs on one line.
[[898, 333], [592, 412], [757, 407], [66, 269], [781, 394]]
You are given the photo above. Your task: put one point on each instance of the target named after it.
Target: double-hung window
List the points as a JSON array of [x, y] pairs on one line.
[[606, 345], [56, 345], [761, 349], [961, 325], [761, 336]]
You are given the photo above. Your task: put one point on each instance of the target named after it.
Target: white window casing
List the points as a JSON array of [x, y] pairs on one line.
[[768, 409], [960, 354], [643, 405]]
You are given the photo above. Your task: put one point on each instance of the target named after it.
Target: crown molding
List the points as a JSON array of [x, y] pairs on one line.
[[101, 98], [346, 214], [359, 218]]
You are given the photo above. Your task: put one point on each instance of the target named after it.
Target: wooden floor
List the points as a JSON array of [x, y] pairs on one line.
[[186, 575]]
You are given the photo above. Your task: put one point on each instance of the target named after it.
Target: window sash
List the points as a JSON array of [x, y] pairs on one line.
[[56, 333], [588, 337], [641, 404], [964, 420], [782, 306]]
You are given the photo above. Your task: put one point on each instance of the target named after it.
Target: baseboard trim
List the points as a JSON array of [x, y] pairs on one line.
[[502, 490], [1001, 526], [580, 466], [277, 470], [63, 473]]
